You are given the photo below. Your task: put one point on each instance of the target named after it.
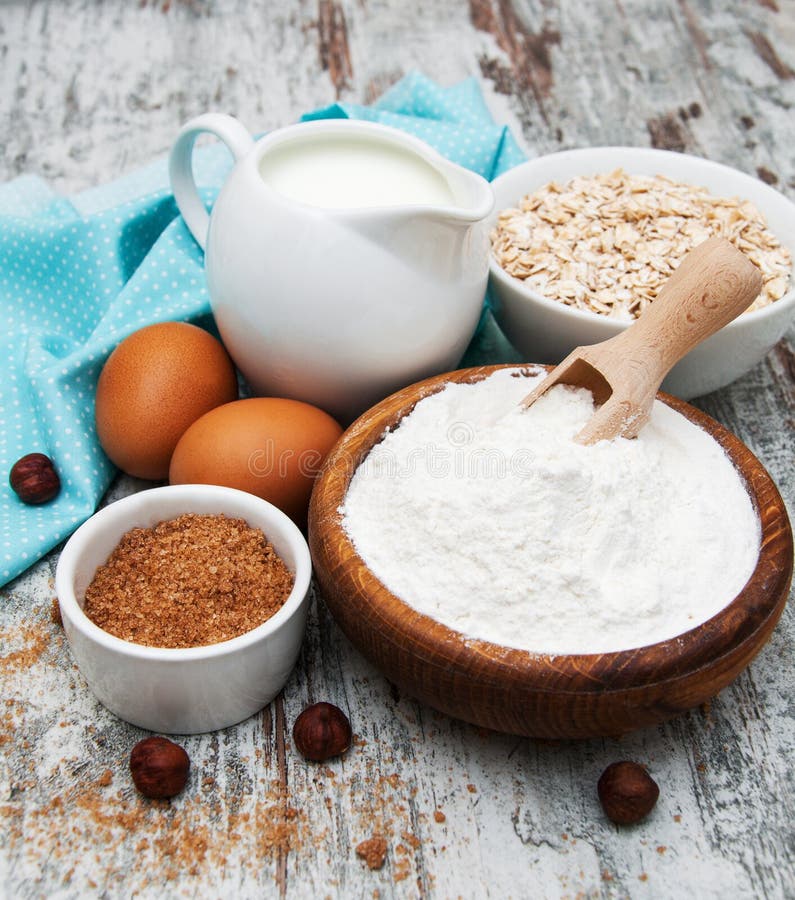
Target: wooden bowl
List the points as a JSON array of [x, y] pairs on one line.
[[514, 691]]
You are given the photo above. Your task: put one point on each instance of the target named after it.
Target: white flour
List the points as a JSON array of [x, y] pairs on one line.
[[493, 521]]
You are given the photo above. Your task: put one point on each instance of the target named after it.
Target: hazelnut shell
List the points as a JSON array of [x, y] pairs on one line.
[[33, 479], [627, 792], [322, 731], [159, 767]]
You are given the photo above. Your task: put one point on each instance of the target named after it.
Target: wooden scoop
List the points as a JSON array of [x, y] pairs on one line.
[[713, 284]]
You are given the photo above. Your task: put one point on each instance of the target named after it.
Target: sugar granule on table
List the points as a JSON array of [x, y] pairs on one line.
[[492, 520]]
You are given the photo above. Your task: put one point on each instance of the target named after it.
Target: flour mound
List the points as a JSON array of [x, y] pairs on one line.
[[490, 519]]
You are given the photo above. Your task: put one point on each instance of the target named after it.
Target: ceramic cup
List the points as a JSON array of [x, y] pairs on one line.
[[198, 689]]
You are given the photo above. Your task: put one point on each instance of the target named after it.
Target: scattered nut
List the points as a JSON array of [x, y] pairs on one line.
[[627, 792], [33, 478], [159, 767], [322, 731]]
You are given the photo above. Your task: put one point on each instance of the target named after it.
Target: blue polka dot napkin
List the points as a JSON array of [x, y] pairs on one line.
[[78, 275]]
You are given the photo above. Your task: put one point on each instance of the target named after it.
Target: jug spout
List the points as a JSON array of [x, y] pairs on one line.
[[473, 196], [442, 243]]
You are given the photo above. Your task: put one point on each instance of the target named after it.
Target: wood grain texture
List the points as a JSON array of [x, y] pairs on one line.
[[92, 90], [536, 695]]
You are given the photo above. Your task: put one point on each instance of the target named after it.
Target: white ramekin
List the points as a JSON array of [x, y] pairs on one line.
[[183, 691]]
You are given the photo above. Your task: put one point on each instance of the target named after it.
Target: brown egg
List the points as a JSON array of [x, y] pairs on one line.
[[269, 447], [155, 384]]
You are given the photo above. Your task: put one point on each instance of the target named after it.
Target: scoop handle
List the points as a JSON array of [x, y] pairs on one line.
[[712, 285]]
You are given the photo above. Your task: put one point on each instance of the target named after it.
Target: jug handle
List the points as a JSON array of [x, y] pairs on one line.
[[180, 169]]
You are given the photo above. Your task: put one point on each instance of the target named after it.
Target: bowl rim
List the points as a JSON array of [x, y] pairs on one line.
[[122, 514], [627, 153], [762, 597]]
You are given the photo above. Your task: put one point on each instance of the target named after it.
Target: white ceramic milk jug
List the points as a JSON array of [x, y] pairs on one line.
[[344, 259]]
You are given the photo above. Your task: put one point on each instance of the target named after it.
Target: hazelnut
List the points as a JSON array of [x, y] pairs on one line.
[[322, 731], [159, 767], [627, 792], [34, 479]]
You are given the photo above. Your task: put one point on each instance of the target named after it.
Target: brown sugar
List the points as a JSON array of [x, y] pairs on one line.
[[187, 582], [34, 641], [373, 851]]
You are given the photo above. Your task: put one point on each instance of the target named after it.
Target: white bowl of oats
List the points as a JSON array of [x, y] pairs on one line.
[[583, 239]]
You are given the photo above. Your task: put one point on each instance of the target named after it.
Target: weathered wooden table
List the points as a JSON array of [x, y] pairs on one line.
[[91, 90]]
